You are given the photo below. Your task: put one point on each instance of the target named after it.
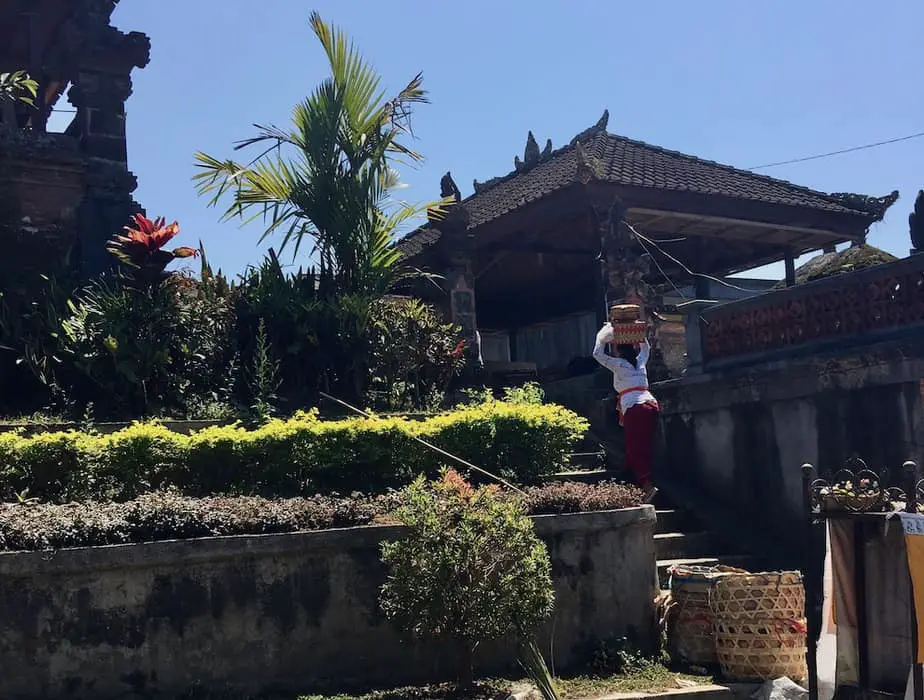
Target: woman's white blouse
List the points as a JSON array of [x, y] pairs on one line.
[[625, 376]]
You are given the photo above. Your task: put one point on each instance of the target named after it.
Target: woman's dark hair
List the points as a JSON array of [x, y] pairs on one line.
[[629, 353]]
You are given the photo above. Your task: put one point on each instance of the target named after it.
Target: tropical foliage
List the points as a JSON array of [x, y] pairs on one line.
[[142, 250], [326, 185], [328, 181], [18, 86], [150, 341]]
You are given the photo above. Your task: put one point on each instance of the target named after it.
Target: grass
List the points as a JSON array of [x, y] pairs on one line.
[[653, 678], [648, 679]]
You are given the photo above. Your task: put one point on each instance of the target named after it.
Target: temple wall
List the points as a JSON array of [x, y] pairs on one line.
[[733, 440], [285, 613]]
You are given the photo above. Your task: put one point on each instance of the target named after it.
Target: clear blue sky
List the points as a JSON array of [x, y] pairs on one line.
[[743, 83]]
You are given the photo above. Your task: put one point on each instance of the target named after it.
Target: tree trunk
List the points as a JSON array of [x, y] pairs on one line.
[[467, 666]]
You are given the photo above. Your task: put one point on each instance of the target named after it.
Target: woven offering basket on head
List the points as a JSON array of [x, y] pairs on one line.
[[624, 313], [760, 626], [630, 333], [692, 635]]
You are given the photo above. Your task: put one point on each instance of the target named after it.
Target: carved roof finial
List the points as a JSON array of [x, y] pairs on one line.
[[916, 222], [448, 188], [599, 127], [518, 164], [547, 151], [531, 152]]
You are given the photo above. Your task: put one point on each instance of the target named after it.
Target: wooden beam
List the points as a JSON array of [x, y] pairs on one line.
[[790, 261], [745, 223], [495, 260], [531, 248]]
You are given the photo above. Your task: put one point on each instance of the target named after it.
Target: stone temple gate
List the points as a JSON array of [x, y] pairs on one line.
[[63, 195]]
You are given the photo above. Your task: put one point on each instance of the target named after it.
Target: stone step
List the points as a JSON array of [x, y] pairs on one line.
[[587, 476], [673, 520], [742, 561], [676, 545], [580, 461]]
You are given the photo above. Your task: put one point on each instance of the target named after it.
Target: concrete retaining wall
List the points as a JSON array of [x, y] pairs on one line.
[[733, 441], [282, 612]]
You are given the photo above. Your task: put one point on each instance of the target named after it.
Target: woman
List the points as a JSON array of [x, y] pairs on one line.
[[638, 408]]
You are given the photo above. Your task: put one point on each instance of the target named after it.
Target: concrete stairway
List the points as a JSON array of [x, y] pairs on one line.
[[680, 539]]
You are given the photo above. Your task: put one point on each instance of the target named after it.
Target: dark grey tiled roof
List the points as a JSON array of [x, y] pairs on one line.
[[606, 157]]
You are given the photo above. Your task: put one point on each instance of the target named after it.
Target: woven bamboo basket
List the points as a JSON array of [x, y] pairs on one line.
[[759, 626], [692, 636], [760, 651], [778, 595], [624, 313], [629, 333]]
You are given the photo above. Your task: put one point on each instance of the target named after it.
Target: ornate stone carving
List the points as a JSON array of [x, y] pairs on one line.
[[624, 269], [531, 153], [460, 282], [488, 184], [588, 166], [106, 209], [883, 297], [448, 188], [599, 127], [872, 205], [916, 223], [547, 151]]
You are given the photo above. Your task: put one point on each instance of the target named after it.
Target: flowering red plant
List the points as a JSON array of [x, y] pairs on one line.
[[142, 248]]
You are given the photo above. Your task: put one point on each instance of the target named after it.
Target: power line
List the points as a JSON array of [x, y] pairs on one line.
[[840, 152], [687, 269], [661, 269]]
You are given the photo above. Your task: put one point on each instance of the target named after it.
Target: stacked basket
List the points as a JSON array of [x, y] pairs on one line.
[[692, 637], [760, 626], [628, 329]]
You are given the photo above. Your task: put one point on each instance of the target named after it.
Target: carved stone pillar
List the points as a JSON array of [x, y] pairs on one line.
[[460, 283], [107, 207], [624, 269], [100, 90]]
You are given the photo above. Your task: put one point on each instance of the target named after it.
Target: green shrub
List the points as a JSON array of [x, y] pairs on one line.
[[470, 567], [285, 458], [166, 515]]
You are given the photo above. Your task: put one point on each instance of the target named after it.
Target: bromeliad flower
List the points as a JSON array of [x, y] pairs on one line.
[[142, 248]]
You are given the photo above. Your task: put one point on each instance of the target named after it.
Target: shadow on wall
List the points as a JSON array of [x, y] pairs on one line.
[[733, 442], [284, 613]]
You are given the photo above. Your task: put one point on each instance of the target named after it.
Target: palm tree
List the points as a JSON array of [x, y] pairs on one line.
[[329, 179]]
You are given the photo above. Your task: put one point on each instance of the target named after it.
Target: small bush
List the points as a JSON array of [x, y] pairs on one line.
[[287, 458], [168, 515], [470, 568], [575, 497]]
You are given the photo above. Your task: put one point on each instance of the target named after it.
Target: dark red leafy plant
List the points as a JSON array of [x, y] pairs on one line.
[[142, 249]]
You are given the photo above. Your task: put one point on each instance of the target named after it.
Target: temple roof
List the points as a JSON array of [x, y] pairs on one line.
[[597, 155]]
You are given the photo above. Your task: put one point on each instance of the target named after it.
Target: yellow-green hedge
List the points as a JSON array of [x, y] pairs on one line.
[[298, 456]]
